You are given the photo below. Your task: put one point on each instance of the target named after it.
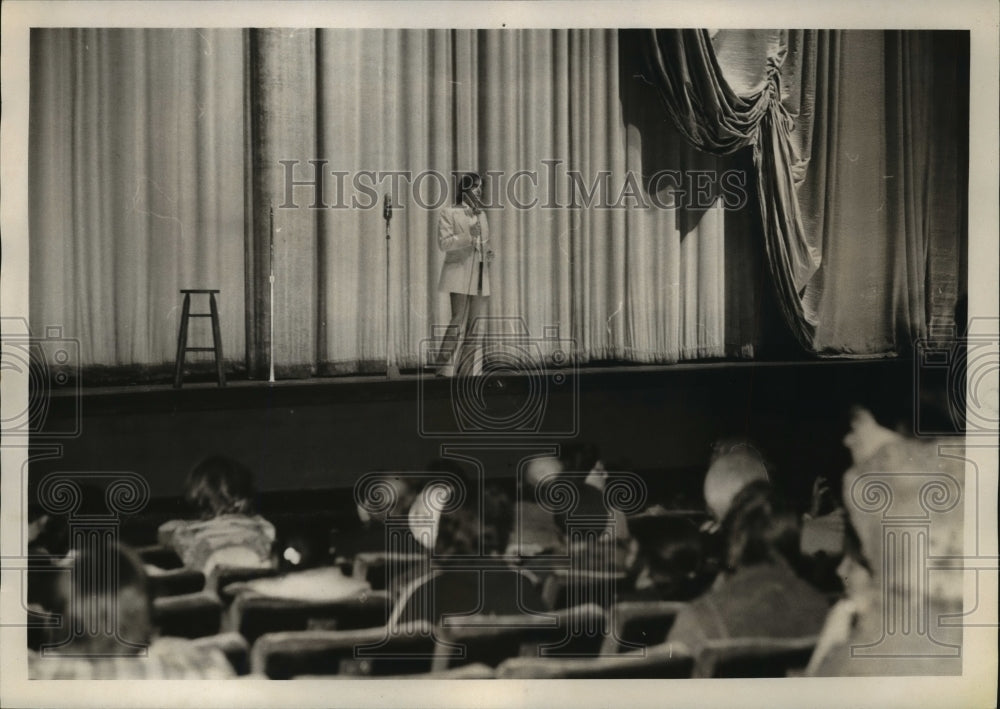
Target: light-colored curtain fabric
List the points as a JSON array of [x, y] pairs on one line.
[[136, 188], [632, 283], [159, 156]]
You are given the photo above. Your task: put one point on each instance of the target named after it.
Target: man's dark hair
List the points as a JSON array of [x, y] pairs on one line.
[[466, 531], [467, 181]]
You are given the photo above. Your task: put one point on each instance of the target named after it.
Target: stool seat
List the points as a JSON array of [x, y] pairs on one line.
[[182, 335]]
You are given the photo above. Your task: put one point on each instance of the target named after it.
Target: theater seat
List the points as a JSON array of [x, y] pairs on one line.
[[753, 657], [160, 556], [651, 663], [491, 639], [224, 576], [373, 651], [568, 587], [233, 645], [476, 671], [192, 615], [375, 567], [638, 624], [253, 616], [446, 595], [176, 582]]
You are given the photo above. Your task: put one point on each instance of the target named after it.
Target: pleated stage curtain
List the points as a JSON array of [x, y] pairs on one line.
[[827, 167], [136, 188], [547, 116]]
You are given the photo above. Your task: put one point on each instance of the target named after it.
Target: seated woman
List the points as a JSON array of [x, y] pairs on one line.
[[758, 595], [228, 533]]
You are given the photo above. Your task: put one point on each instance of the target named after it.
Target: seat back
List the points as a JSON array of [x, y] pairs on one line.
[[446, 596], [253, 616], [160, 555], [642, 664], [176, 582], [372, 651], [191, 615], [376, 567], [491, 639], [223, 576], [638, 624], [233, 645], [753, 657], [568, 587]]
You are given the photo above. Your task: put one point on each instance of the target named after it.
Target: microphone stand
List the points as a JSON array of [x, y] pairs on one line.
[[391, 370], [270, 337]]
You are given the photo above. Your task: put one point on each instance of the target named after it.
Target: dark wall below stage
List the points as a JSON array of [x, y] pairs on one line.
[[326, 433]]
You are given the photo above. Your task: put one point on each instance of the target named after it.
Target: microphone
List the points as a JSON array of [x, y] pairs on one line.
[[387, 208]]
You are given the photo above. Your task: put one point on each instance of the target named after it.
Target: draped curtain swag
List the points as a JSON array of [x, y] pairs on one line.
[[714, 118], [859, 140]]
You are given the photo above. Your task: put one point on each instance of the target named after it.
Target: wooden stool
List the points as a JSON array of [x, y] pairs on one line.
[[182, 347]]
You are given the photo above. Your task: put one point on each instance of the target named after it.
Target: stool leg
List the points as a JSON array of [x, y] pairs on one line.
[[217, 339], [182, 336]]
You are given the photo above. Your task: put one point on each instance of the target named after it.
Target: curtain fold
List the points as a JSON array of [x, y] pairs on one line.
[[885, 187], [859, 140], [683, 66]]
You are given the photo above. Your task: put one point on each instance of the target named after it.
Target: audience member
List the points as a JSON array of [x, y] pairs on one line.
[[445, 486], [108, 616], [535, 531], [666, 561], [758, 594], [229, 533], [741, 574], [371, 534], [586, 458], [734, 464], [592, 521], [492, 589], [822, 539], [856, 578], [864, 634]]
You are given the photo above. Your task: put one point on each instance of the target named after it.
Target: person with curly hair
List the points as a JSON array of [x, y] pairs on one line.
[[229, 532]]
